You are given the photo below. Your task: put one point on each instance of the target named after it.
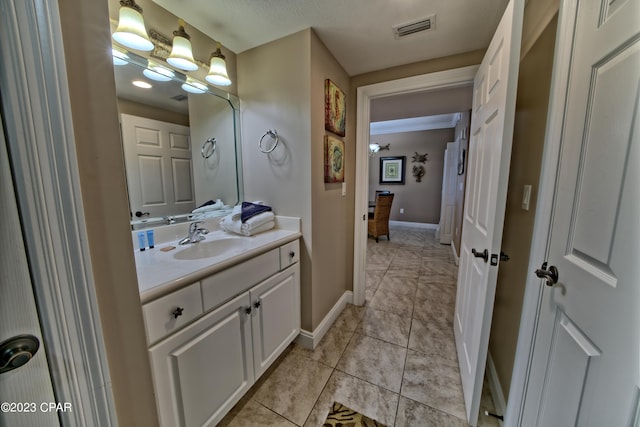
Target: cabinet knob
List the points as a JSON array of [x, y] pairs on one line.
[[257, 304], [292, 254], [177, 312], [247, 310]]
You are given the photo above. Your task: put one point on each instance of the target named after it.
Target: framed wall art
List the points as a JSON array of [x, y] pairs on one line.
[[392, 170], [334, 108], [333, 159]]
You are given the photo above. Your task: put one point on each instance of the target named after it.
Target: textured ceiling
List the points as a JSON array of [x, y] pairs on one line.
[[357, 32]]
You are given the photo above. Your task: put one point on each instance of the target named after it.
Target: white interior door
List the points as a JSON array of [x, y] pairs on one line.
[[29, 384], [448, 204], [159, 166], [489, 157], [586, 362]]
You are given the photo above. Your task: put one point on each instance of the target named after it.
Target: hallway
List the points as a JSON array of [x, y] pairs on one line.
[[393, 360]]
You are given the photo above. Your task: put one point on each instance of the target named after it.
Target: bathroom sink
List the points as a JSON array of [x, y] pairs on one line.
[[208, 249]]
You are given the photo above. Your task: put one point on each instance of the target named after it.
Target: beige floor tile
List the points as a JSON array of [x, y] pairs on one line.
[[373, 360], [431, 339], [386, 326], [399, 284], [253, 414], [375, 402], [350, 318], [330, 348], [393, 302], [433, 381], [414, 414], [292, 389]]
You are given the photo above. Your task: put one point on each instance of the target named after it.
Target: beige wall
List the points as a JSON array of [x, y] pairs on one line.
[[528, 140], [126, 106], [101, 166], [419, 104], [332, 213], [420, 200], [462, 136], [275, 93]]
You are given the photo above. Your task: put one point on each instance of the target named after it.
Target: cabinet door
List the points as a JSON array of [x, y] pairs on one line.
[[203, 370], [275, 316]]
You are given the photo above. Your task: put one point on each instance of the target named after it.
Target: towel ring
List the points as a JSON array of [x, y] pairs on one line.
[[274, 135], [208, 148]]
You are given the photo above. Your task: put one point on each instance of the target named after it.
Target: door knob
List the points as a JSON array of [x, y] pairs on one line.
[[17, 351], [550, 275], [484, 254]]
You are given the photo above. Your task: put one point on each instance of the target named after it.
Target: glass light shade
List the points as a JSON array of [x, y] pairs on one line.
[[119, 56], [218, 70], [157, 72], [194, 86], [131, 31], [181, 55], [141, 84], [374, 148]]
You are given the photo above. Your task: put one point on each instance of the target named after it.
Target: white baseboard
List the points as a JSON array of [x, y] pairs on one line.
[[414, 224], [496, 390], [311, 339], [455, 253]]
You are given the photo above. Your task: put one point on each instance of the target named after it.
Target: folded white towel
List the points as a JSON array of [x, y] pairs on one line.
[[259, 229], [217, 205], [236, 212], [258, 220], [257, 224]]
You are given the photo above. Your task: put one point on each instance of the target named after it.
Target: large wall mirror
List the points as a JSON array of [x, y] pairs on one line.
[[181, 143]]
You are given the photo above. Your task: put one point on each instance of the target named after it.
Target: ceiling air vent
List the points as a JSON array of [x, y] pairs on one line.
[[424, 24]]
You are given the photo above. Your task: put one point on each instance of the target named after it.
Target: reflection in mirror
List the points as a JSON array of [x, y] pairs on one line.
[[181, 143]]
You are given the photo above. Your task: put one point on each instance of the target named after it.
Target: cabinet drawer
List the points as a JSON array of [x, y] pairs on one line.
[[233, 281], [289, 254], [160, 315]]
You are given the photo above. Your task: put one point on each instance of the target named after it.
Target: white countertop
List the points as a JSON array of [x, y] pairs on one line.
[[160, 273]]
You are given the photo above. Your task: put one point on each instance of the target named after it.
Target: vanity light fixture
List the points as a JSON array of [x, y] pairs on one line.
[[218, 69], [194, 86], [157, 72], [141, 84], [181, 55], [131, 31], [119, 56]]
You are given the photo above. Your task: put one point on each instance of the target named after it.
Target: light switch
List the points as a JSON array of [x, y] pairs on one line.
[[526, 197], [344, 188]]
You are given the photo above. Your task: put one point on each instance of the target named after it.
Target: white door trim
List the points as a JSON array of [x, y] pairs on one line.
[[40, 138], [544, 213], [438, 80]]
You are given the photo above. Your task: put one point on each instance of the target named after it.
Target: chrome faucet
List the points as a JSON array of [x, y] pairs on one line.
[[196, 234]]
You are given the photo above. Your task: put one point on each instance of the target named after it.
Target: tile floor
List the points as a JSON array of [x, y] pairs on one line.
[[393, 360]]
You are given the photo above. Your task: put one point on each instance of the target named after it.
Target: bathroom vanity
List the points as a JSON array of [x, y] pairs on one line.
[[217, 313]]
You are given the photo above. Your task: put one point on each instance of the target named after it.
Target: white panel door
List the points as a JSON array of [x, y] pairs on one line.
[[448, 204], [494, 96], [586, 362], [30, 383], [159, 166]]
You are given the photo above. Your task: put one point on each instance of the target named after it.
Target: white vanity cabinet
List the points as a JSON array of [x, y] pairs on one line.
[[203, 369]]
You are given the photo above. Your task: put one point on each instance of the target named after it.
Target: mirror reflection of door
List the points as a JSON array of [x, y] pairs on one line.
[[159, 167]]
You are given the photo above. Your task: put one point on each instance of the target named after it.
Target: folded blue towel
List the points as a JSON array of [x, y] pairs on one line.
[[251, 209]]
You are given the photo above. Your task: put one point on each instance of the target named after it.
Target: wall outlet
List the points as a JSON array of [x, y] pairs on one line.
[[401, 210]]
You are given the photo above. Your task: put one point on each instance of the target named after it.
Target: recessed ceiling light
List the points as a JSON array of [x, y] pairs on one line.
[[194, 86], [141, 84], [158, 73]]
